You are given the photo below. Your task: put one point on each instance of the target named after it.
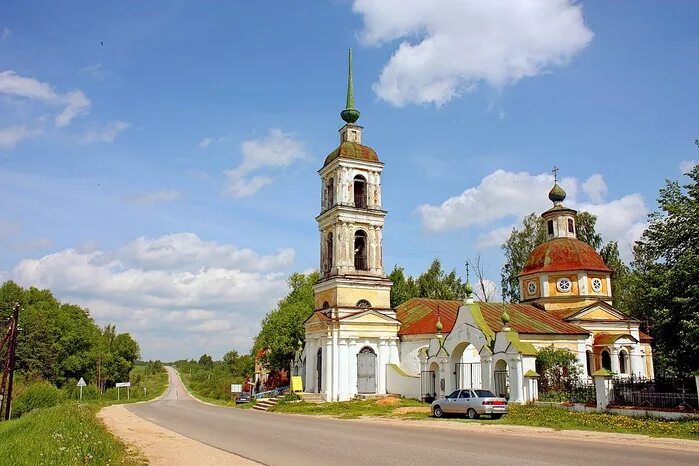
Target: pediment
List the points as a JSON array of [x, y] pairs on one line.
[[599, 312], [369, 317]]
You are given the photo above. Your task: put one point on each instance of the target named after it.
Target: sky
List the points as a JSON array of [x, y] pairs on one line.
[[158, 160]]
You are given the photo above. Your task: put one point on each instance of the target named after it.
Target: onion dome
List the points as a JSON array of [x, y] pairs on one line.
[[469, 289], [505, 317], [352, 150], [439, 326], [557, 195], [563, 254]]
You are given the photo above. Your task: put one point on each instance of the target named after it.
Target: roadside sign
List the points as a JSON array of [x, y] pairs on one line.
[[236, 388], [81, 384], [296, 383], [123, 384]]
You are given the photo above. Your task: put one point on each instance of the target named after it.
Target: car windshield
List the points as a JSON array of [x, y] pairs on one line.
[[484, 394]]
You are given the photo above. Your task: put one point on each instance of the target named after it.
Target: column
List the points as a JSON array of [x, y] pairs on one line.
[[343, 370], [379, 249], [444, 374], [393, 356], [381, 363], [308, 385], [603, 390], [378, 189], [614, 355], [352, 379], [637, 369], [371, 237], [486, 372], [336, 365], [516, 380], [328, 368], [370, 190]]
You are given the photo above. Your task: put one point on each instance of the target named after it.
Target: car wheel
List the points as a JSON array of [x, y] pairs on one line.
[[495, 416], [437, 411], [471, 413]]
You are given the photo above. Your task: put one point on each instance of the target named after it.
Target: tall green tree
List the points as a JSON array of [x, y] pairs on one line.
[[433, 283], [666, 264], [282, 332]]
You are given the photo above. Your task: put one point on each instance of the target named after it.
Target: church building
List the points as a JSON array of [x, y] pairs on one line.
[[357, 344]]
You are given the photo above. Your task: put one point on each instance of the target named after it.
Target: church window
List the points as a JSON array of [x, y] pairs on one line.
[[330, 193], [360, 262], [606, 360], [596, 285], [363, 303], [549, 225], [326, 305], [571, 227], [590, 362], [564, 285], [360, 192], [329, 252], [531, 288], [622, 361]]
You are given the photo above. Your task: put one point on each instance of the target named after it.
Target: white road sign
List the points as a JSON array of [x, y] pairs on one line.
[[123, 384], [81, 382], [236, 388]]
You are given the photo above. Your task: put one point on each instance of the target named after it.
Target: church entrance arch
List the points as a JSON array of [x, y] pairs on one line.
[[319, 370], [466, 366], [366, 370], [501, 379]]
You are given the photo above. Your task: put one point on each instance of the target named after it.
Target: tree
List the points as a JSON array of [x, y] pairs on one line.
[[666, 264], [206, 361], [621, 277], [434, 283], [282, 333], [517, 249], [403, 288], [482, 290], [558, 369]]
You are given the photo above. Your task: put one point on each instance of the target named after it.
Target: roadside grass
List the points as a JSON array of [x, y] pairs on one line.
[[214, 401], [66, 434], [347, 409], [524, 415]]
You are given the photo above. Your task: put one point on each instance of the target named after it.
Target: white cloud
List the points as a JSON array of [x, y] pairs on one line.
[[74, 103], [278, 149], [97, 71], [10, 136], [107, 134], [507, 196], [450, 46], [6, 33], [164, 288], [595, 188], [204, 143], [685, 165], [165, 195], [486, 290]]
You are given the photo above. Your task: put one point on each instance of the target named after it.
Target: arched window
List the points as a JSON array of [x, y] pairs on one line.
[[360, 191], [590, 362], [571, 228], [622, 361], [329, 253], [360, 262], [330, 193], [363, 303], [549, 226], [606, 360], [326, 305]]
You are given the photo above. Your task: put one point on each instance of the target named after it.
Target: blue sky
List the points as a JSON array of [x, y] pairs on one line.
[[167, 178]]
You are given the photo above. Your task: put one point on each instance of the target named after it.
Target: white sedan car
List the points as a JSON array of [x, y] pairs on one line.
[[470, 402]]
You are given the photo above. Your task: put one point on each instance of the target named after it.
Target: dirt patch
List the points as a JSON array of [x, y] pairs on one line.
[[387, 401], [163, 447]]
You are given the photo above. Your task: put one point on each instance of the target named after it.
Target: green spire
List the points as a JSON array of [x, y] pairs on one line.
[[350, 114]]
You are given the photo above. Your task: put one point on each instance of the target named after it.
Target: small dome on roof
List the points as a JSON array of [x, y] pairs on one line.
[[563, 254], [353, 150], [557, 194]]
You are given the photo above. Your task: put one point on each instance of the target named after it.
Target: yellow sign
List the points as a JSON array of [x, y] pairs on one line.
[[296, 383]]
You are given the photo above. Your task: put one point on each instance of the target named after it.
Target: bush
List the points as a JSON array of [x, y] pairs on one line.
[[39, 395]]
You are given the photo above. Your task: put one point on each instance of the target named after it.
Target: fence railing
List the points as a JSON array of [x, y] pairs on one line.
[[271, 393], [580, 391], [666, 392]]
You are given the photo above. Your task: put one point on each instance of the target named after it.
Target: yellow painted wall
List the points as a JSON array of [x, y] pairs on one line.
[[379, 297], [553, 291], [328, 295], [604, 291], [554, 306], [599, 314], [525, 288]]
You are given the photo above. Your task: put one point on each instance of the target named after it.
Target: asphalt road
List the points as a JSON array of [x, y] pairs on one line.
[[283, 439]]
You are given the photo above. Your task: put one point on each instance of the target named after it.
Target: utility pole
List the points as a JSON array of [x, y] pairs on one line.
[[10, 339]]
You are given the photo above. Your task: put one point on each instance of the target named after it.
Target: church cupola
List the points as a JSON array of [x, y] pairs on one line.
[[560, 220]]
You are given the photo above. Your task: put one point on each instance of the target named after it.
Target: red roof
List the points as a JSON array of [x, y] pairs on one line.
[[419, 316], [562, 255], [644, 337]]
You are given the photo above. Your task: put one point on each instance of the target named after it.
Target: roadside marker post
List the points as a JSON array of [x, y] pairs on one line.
[[81, 384], [123, 384]]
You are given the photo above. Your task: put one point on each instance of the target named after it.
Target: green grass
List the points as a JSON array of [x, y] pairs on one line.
[[185, 377], [346, 409], [524, 415], [66, 434]]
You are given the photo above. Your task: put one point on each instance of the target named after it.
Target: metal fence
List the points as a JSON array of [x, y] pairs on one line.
[[427, 386], [577, 391], [661, 392], [468, 375]]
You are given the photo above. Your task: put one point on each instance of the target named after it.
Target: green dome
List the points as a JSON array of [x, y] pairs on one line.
[[439, 325], [350, 115], [469, 289], [557, 194], [505, 317]]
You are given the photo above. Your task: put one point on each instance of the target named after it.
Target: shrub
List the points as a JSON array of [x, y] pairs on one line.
[[39, 395]]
